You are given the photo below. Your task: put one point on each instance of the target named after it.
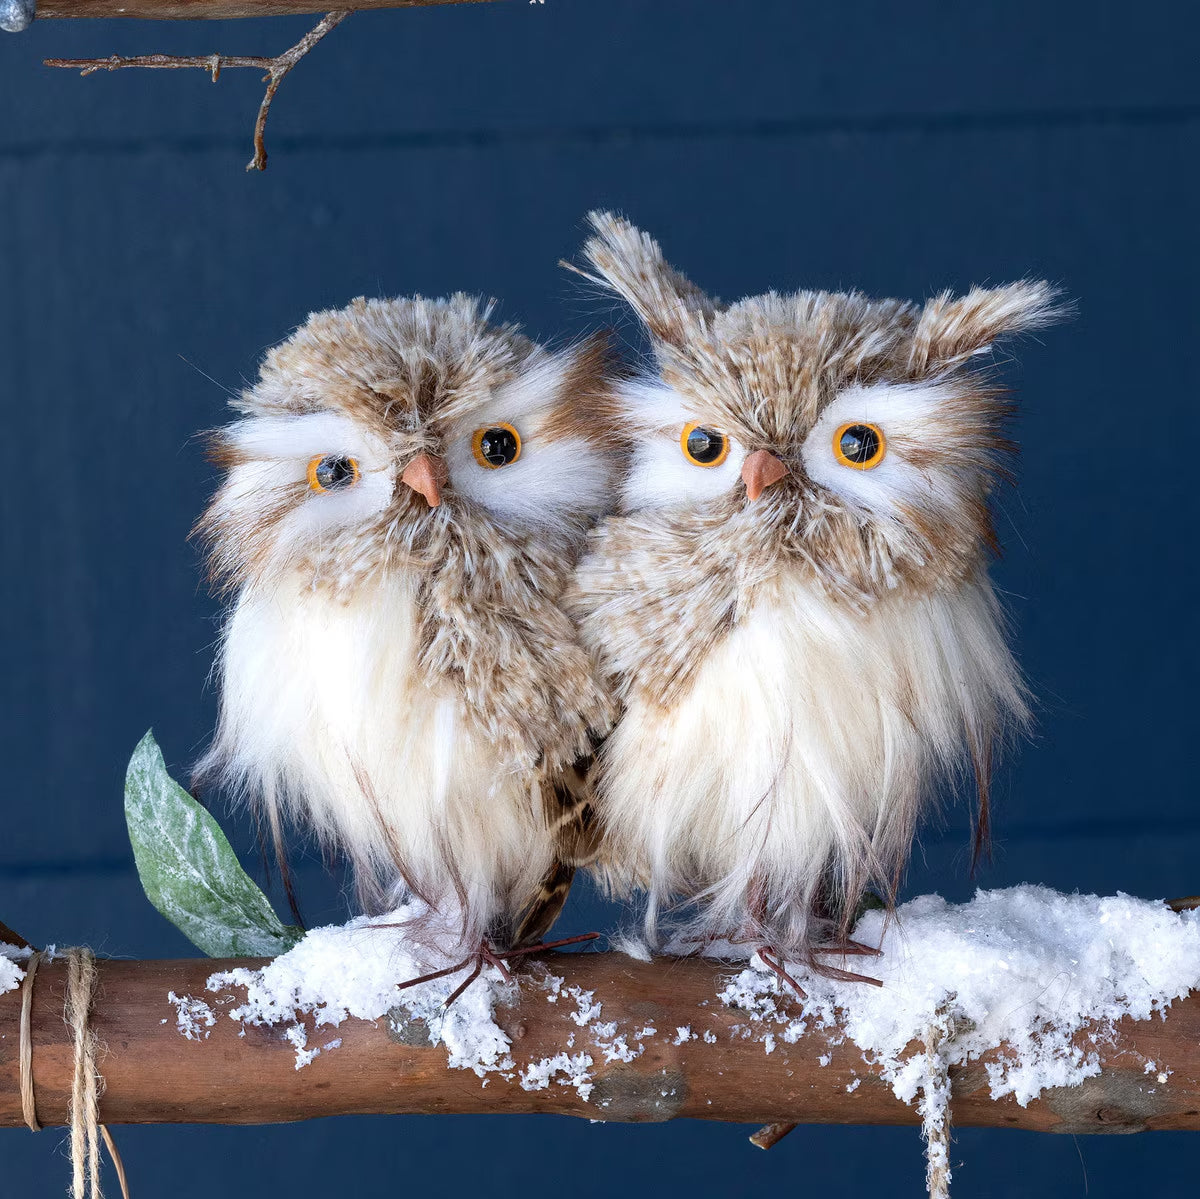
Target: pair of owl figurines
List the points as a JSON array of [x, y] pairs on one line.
[[718, 631]]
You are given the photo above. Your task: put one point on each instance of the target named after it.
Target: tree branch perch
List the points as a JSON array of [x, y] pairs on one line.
[[210, 10], [153, 1075]]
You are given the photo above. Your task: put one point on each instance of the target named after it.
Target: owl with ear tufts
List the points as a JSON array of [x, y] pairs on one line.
[[407, 490], [793, 603]]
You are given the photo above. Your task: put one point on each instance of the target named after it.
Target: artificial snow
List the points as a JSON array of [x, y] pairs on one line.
[[10, 973], [356, 970], [193, 1017], [1021, 971], [1025, 968]]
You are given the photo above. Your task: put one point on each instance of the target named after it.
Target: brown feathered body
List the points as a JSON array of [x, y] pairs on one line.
[[793, 604], [396, 672]]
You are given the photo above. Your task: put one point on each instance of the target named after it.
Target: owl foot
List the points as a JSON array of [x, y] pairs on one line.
[[844, 976], [849, 948], [775, 965], [485, 955]]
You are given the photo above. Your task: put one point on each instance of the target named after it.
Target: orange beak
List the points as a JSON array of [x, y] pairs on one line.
[[425, 474], [760, 470]]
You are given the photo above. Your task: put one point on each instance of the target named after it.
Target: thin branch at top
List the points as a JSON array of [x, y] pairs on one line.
[[276, 70]]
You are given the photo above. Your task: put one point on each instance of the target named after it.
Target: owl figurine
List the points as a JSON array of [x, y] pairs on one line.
[[793, 604], [406, 492]]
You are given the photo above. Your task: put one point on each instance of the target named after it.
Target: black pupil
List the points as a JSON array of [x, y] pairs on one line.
[[498, 446], [705, 446], [334, 472], [860, 443]]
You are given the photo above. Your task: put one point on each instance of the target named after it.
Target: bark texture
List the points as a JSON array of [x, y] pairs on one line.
[[152, 1074]]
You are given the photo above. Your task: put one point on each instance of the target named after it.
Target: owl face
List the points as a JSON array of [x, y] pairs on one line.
[[374, 426], [844, 431]]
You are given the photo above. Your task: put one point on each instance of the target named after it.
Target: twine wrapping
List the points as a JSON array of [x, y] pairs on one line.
[[85, 1088], [28, 1102], [934, 1104], [87, 1084]]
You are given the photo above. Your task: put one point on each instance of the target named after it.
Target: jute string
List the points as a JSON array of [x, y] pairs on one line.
[[86, 1084]]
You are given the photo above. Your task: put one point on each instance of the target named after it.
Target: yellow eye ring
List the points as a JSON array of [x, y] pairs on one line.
[[332, 472], [703, 446], [859, 445], [496, 445]]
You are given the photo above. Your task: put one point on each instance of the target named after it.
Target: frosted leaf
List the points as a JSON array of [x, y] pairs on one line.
[[189, 870]]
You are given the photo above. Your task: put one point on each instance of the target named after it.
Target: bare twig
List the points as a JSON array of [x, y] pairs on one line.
[[276, 70]]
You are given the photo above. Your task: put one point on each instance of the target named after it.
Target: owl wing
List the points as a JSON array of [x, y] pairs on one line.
[[570, 816]]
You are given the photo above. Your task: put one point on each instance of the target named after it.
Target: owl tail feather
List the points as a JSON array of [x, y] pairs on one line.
[[543, 909]]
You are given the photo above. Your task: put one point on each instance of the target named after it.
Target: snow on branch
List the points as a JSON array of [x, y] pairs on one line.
[[1023, 1008]]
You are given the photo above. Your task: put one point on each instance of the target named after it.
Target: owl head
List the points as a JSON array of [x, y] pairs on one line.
[[376, 427], [853, 434]]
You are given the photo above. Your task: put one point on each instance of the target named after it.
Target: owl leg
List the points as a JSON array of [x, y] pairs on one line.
[[845, 976], [485, 955], [849, 948], [774, 963], [543, 909]]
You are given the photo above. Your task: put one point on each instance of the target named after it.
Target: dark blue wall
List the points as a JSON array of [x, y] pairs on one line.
[[769, 143]]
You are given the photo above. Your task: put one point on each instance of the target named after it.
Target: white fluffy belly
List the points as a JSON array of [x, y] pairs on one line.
[[801, 752], [327, 713]]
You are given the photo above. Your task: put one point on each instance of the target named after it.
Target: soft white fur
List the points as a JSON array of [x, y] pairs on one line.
[[327, 716], [901, 411], [659, 474], [552, 478], [799, 746], [278, 450]]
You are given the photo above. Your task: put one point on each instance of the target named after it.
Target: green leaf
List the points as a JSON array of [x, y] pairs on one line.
[[189, 870]]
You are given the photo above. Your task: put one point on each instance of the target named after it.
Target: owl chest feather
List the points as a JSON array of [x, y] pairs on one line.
[[799, 734], [331, 711], [774, 752]]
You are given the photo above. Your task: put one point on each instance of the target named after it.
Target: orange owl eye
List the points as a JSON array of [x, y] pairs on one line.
[[859, 445], [702, 446], [332, 472], [496, 446]]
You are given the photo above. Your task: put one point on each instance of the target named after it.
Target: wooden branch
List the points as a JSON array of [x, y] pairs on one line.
[[153, 1075], [9, 937], [209, 10]]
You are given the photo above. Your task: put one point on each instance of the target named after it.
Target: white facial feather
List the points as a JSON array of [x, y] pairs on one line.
[[659, 474], [905, 414], [554, 476], [277, 452]]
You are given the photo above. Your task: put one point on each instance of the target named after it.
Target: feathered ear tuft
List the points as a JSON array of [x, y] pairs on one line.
[[950, 330], [631, 263]]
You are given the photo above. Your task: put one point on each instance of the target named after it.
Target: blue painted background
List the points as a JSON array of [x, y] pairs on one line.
[[769, 143]]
